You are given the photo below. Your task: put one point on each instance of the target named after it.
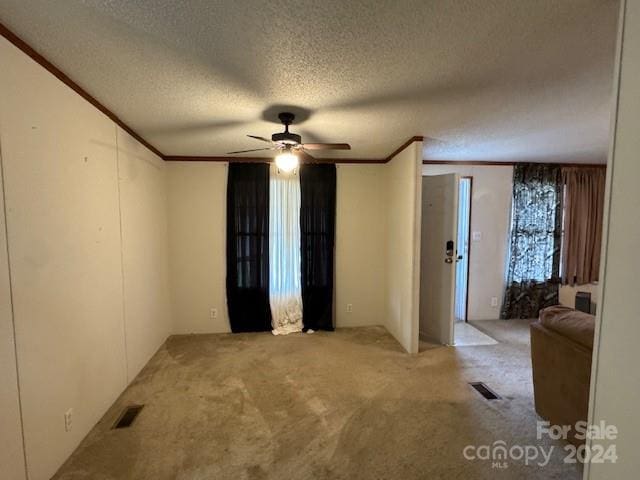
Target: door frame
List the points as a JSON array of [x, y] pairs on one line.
[[466, 304]]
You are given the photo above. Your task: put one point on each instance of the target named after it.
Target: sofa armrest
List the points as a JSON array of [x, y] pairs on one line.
[[561, 377]]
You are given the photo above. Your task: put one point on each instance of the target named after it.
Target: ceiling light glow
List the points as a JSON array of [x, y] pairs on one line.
[[287, 161]]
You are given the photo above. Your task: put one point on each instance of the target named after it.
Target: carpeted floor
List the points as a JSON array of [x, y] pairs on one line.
[[343, 405]]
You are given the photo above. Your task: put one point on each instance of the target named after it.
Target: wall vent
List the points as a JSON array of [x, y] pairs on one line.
[[485, 391], [128, 416]]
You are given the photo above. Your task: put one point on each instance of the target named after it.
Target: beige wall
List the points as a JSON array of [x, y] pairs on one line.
[[59, 160], [370, 239], [568, 293], [403, 248], [145, 251], [361, 245], [197, 213], [197, 239], [11, 451], [491, 216], [76, 322], [615, 389]]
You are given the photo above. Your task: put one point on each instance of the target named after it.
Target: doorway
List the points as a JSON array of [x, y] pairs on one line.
[[437, 258], [465, 187], [444, 263]]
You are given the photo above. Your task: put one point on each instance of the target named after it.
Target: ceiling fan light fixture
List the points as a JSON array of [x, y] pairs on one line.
[[290, 146], [287, 161]]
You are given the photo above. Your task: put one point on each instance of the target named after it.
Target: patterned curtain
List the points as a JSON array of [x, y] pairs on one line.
[[533, 268]]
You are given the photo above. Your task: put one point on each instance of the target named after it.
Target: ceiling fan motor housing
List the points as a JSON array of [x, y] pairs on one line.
[[286, 138]]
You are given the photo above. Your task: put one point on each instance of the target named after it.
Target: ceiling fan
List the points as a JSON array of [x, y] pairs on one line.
[[290, 147]]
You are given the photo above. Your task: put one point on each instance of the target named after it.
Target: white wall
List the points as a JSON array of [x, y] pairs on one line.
[[491, 216], [86, 292], [403, 248], [11, 451], [615, 388], [197, 239], [361, 245]]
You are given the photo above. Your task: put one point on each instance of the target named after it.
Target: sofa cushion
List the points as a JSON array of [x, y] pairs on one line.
[[573, 324]]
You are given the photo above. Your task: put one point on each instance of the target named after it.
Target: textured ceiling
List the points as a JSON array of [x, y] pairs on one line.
[[483, 79]]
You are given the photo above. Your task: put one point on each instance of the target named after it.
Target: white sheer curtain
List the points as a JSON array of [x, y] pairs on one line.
[[285, 295]]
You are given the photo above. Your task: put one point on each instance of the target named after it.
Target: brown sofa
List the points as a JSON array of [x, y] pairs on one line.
[[561, 347]]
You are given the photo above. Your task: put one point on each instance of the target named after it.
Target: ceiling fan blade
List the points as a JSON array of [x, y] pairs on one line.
[[327, 146], [305, 157], [262, 139], [247, 151]]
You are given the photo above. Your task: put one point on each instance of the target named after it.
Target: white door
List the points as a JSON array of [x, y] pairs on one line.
[[438, 257]]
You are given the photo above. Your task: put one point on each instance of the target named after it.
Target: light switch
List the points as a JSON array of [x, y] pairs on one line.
[[476, 236]]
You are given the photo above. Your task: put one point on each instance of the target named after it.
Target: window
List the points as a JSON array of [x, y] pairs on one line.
[[285, 294], [534, 253], [536, 224], [534, 231]]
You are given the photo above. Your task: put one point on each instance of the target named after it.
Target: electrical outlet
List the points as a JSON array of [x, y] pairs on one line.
[[349, 307], [494, 301], [213, 313], [68, 420]]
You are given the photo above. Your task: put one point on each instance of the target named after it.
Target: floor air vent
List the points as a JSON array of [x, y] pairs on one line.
[[485, 391], [128, 416]]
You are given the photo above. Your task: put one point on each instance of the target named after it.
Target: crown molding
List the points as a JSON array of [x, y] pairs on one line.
[[64, 78], [230, 159], [483, 163], [188, 158], [402, 147]]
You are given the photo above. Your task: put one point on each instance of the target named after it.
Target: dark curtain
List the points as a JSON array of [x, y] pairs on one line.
[[317, 239], [248, 247], [536, 234]]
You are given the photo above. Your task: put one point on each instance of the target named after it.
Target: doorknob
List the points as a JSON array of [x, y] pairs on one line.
[[449, 248], [449, 252]]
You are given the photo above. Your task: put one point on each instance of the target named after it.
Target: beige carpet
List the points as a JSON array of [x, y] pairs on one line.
[[343, 405]]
